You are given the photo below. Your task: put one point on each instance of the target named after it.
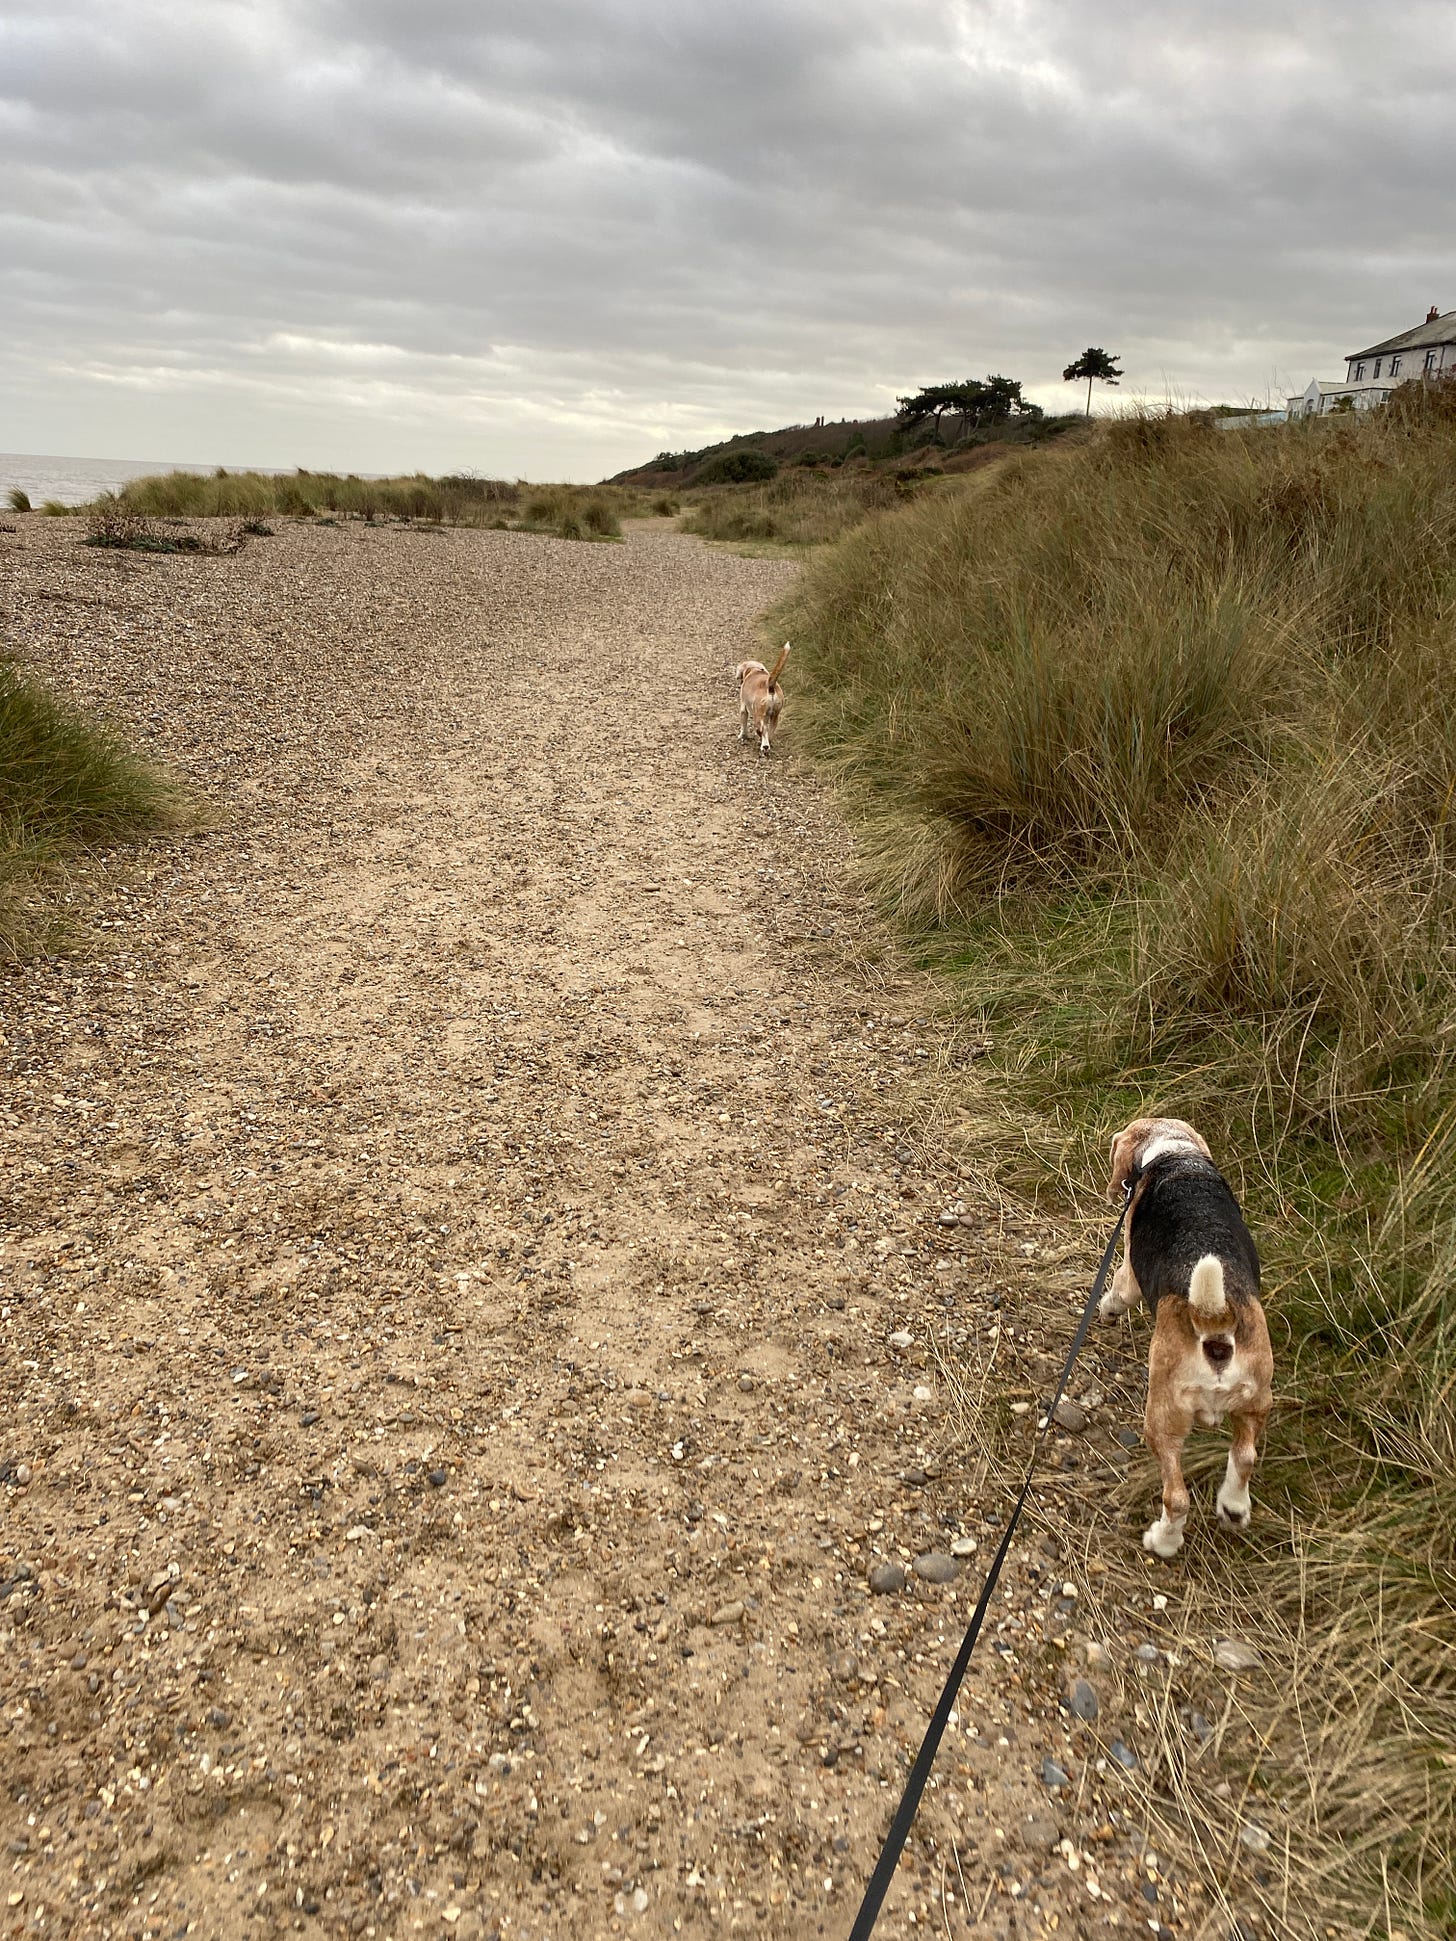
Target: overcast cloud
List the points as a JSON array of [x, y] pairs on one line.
[[549, 237]]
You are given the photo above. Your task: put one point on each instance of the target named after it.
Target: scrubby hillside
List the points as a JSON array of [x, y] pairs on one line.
[[1154, 743]]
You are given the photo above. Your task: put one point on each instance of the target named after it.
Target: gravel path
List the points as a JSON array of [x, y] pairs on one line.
[[470, 1314]]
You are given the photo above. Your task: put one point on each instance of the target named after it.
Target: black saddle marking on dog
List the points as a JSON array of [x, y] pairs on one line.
[[1185, 1209]]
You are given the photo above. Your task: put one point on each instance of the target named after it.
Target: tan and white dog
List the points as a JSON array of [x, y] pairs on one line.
[[1192, 1259], [760, 699]]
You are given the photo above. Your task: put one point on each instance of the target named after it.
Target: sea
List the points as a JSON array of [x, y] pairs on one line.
[[76, 481]]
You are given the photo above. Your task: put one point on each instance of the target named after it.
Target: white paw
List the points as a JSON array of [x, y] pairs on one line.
[[1163, 1538], [1233, 1508], [1111, 1307]]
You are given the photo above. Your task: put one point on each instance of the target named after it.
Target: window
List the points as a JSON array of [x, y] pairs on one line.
[[1431, 356], [1376, 371], [1394, 367], [1359, 371]]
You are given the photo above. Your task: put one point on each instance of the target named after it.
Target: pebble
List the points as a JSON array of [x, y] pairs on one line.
[[902, 1339], [1254, 1837], [1054, 1775], [220, 1717], [1098, 1657], [729, 1613], [437, 1478], [1082, 1701], [963, 1547], [1200, 1728], [22, 1474], [844, 1668], [1040, 1832], [1067, 1415], [1148, 1654], [947, 1219], [1230, 1654], [914, 1478], [308, 1418], [1129, 1438], [745, 1384], [886, 1577], [1124, 1755], [936, 1568]]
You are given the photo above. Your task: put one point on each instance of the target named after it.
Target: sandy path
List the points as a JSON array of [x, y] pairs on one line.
[[455, 1223]]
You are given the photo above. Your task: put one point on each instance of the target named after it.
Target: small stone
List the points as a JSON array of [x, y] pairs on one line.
[[1092, 1398], [745, 1384], [220, 1717], [844, 1668], [1254, 1837], [1129, 1438], [886, 1577], [1200, 1728], [1148, 1654], [936, 1568], [1067, 1415], [22, 1474], [902, 1339], [308, 1418], [1230, 1654], [914, 1478], [1053, 1775], [1041, 1833], [1098, 1657], [1082, 1702], [947, 1219], [379, 1668], [78, 1663], [729, 1613], [1124, 1756], [923, 1394], [963, 1546], [437, 1478]]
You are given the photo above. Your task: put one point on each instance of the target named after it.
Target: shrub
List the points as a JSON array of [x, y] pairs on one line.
[[53, 509], [737, 468], [18, 499]]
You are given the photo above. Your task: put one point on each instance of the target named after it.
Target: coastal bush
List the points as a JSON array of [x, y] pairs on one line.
[[744, 467], [64, 782], [18, 499], [1153, 743], [53, 509]]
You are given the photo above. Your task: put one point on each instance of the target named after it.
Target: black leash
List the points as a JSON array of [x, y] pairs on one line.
[[905, 1812]]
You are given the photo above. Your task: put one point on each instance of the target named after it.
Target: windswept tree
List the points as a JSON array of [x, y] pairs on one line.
[[1093, 363], [975, 401]]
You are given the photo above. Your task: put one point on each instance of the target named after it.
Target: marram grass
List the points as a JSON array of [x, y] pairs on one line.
[[1152, 744]]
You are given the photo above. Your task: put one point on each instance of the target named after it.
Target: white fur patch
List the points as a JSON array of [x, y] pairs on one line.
[[1166, 1142]]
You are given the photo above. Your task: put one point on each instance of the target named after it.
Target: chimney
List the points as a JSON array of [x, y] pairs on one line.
[[1432, 314]]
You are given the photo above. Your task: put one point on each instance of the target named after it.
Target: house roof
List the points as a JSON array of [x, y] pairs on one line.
[[1325, 386], [1441, 330]]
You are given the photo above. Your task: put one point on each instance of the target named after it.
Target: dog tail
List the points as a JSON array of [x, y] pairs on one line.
[[778, 666], [1206, 1294]]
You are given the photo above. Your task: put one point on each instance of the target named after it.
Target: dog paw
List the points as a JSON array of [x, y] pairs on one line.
[[1110, 1308], [1162, 1539], [1232, 1514]]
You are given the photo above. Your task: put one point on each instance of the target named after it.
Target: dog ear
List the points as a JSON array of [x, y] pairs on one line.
[[1124, 1156]]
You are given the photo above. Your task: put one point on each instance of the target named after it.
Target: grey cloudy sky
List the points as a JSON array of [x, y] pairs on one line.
[[550, 238]]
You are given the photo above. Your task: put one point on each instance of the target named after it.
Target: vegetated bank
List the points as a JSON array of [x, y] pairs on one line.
[[1153, 744], [66, 784], [569, 511]]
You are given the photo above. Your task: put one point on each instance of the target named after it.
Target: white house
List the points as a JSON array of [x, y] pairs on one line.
[[1371, 375]]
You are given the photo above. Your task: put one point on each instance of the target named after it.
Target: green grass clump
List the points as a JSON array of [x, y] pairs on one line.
[[800, 507], [65, 783], [17, 499], [1153, 740], [572, 511]]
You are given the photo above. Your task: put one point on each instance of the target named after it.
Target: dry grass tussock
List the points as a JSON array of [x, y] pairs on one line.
[[65, 784], [1154, 745], [798, 508], [570, 511]]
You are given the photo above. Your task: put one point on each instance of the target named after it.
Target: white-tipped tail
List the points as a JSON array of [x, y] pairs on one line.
[[1205, 1288]]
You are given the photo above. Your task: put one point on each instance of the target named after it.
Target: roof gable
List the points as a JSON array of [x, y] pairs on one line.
[[1441, 330]]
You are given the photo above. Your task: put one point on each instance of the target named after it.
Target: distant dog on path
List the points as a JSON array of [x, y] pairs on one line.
[[760, 699], [1192, 1259]]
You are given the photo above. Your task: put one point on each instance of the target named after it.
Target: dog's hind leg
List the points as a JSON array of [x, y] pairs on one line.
[[1233, 1498], [1166, 1438]]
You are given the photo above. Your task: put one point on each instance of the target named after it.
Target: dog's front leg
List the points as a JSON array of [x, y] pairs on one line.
[[1166, 1433], [1233, 1498]]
